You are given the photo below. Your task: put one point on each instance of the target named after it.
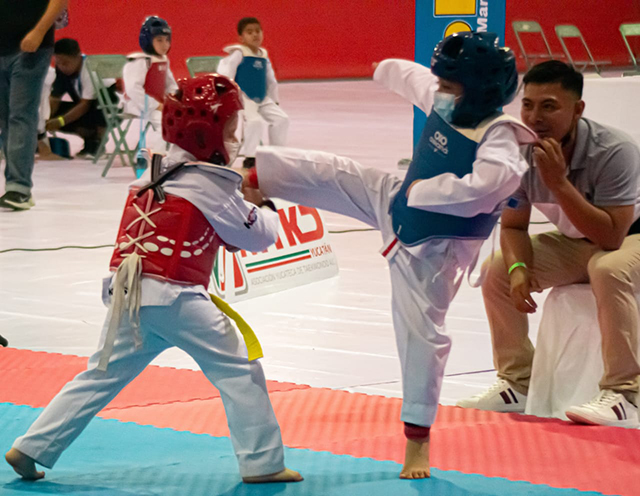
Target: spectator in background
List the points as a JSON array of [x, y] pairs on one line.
[[584, 179], [81, 115], [26, 41]]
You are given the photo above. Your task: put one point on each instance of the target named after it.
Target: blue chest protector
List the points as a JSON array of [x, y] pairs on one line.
[[251, 76], [441, 149]]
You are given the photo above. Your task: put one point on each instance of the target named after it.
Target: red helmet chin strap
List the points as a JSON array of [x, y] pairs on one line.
[[195, 117]]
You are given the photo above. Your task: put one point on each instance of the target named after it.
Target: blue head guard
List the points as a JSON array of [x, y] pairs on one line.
[[486, 71], [151, 27]]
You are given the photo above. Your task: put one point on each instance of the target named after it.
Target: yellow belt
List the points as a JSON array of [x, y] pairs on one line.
[[250, 338]]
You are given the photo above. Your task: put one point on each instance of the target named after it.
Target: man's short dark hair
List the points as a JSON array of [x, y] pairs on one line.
[[554, 71], [245, 21], [67, 46]]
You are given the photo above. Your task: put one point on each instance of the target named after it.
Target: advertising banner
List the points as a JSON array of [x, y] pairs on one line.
[[301, 255]]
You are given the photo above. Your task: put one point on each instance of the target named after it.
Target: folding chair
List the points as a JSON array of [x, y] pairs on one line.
[[630, 30], [198, 65], [110, 67], [570, 31], [531, 59]]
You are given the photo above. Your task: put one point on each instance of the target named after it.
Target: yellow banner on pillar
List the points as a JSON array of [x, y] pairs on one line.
[[455, 7]]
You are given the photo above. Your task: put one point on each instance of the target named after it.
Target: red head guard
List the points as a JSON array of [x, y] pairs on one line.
[[194, 118]]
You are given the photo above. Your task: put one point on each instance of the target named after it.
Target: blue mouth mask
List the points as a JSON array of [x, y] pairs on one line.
[[444, 104]]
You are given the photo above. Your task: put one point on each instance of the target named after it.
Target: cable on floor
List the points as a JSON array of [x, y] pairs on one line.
[[96, 247]]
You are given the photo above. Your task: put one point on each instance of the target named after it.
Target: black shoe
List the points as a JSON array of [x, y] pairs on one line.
[[83, 153], [3, 341], [249, 163], [89, 149], [16, 201]]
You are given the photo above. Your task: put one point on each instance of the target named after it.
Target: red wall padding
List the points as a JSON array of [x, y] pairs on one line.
[[306, 39], [330, 38], [598, 20]]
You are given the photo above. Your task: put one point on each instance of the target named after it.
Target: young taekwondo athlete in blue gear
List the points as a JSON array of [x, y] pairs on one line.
[[432, 224], [452, 133], [249, 65], [153, 26]]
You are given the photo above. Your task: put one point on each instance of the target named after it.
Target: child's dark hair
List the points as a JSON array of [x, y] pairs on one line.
[[67, 46], [554, 71], [245, 21]]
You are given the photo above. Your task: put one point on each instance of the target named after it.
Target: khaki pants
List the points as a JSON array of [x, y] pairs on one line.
[[558, 261]]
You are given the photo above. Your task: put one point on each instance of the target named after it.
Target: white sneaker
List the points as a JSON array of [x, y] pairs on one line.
[[500, 397], [608, 408]]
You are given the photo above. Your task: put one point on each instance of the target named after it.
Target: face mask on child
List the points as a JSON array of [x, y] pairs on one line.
[[232, 147], [444, 104]]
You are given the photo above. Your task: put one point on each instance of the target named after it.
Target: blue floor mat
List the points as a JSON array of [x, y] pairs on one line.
[[113, 458]]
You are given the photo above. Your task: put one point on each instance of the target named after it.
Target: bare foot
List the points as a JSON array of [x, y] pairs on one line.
[[416, 460], [24, 465], [285, 475]]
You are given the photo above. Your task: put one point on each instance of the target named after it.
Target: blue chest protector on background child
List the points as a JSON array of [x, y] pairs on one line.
[[251, 76]]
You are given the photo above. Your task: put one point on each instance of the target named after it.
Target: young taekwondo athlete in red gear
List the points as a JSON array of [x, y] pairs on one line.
[[148, 78], [175, 218]]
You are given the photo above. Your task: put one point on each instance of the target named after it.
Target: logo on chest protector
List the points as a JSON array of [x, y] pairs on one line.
[[439, 140], [257, 64], [251, 218]]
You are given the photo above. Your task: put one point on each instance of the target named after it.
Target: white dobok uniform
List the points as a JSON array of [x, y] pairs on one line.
[[182, 316], [138, 102], [257, 113], [424, 278]]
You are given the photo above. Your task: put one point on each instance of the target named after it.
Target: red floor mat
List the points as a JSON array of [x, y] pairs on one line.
[[541, 451], [516, 447], [33, 378]]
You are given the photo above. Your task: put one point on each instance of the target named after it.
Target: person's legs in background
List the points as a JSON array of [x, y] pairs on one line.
[[21, 79], [559, 261], [90, 127], [253, 130], [44, 147], [614, 277], [278, 122]]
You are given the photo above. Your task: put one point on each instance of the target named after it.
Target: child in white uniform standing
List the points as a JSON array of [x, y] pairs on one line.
[[148, 78], [434, 222], [249, 65], [175, 219]]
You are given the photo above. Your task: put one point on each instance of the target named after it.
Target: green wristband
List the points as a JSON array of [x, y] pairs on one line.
[[516, 265]]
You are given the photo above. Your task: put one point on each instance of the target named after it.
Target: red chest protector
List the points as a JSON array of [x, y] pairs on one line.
[[155, 83], [174, 239]]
